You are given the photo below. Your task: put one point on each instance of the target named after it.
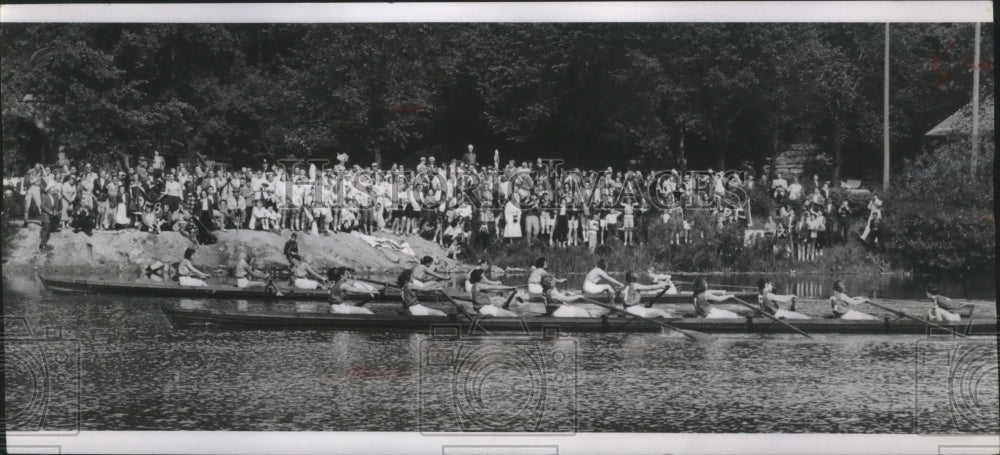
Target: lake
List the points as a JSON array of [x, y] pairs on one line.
[[120, 365]]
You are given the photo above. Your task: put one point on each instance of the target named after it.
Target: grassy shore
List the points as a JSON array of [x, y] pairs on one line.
[[698, 256]]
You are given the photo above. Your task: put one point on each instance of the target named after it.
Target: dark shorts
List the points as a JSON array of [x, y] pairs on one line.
[[173, 202]]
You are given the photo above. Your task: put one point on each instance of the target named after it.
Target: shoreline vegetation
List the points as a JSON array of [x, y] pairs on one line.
[[839, 259]]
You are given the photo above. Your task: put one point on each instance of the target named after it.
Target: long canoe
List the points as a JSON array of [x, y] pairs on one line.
[[216, 291], [212, 291], [224, 318]]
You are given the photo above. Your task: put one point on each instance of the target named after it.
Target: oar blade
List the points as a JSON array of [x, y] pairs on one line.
[[692, 335], [698, 337]]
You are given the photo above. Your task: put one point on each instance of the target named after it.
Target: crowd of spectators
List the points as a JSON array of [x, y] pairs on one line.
[[449, 203], [812, 217]]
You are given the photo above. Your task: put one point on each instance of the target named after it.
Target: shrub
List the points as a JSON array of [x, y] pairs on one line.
[[939, 215]]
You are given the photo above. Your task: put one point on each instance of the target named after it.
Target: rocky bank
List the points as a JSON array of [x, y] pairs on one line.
[[119, 251]]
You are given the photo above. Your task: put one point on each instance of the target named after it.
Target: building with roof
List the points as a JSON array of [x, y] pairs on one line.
[[958, 127]]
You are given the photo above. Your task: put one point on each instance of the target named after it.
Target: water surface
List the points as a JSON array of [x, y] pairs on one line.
[[136, 372]]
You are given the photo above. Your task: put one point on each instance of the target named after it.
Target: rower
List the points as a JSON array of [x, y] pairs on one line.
[[488, 305], [423, 275], [189, 275], [703, 298], [537, 273], [303, 275], [632, 296], [156, 271], [769, 301], [484, 283], [565, 300], [944, 309], [410, 300], [591, 285], [244, 271], [343, 281], [662, 278], [842, 303]]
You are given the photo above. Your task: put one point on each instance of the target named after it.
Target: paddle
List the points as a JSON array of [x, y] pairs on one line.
[[510, 298], [458, 306], [657, 296], [396, 286], [772, 317], [692, 334], [735, 286], [902, 314]]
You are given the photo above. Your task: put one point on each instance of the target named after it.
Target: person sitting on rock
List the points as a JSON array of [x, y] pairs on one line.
[[292, 248], [83, 220]]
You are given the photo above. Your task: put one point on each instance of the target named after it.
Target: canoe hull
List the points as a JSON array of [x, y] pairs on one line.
[[182, 318], [225, 319], [172, 290]]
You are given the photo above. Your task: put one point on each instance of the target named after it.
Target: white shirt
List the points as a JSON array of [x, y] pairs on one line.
[[173, 188]]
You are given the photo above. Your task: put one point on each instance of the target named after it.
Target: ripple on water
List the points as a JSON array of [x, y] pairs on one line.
[[138, 373]]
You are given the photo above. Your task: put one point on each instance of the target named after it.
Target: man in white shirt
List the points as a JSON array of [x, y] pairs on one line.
[[795, 190], [779, 187]]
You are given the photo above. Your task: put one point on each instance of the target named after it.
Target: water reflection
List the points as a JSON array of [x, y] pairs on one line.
[[138, 373]]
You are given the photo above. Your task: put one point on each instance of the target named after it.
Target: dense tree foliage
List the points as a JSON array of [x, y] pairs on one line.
[[942, 217], [594, 94]]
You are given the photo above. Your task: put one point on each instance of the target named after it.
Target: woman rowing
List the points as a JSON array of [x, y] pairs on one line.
[[488, 305], [425, 279], [944, 309], [769, 302], [592, 285], [703, 298], [303, 275], [410, 300], [658, 278], [632, 296], [841, 304], [343, 282], [565, 301], [189, 275], [244, 272], [537, 273], [485, 284]]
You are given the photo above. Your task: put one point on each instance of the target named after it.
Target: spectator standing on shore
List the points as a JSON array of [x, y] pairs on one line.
[[470, 156], [33, 194], [874, 214], [512, 219], [68, 197], [173, 192], [101, 199], [593, 227], [158, 164], [50, 208], [844, 220], [795, 190], [532, 223], [779, 187]]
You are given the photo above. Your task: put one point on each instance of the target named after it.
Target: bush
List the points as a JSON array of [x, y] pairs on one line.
[[940, 216]]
